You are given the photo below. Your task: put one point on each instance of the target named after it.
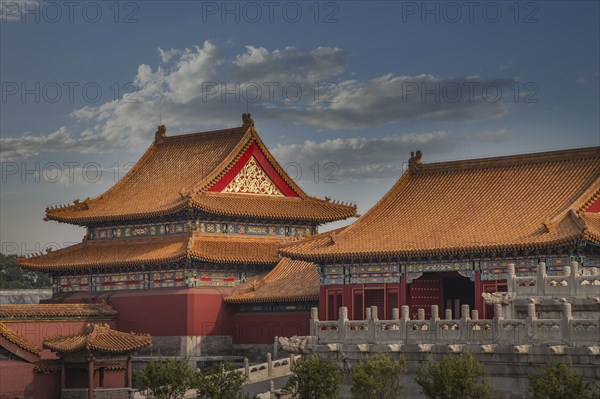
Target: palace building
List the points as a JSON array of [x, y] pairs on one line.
[[185, 245], [446, 233]]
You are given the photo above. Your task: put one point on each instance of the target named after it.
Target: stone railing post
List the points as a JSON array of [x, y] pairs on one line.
[[395, 314], [342, 321], [565, 323], [512, 278], [314, 320], [540, 281], [404, 318], [269, 364], [372, 326], [448, 314], [475, 314], [421, 314], [368, 313], [531, 316], [496, 325], [276, 347], [464, 319], [573, 287], [435, 316], [246, 367]]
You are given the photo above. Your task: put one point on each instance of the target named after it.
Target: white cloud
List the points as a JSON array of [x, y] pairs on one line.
[[374, 159], [178, 88], [581, 81]]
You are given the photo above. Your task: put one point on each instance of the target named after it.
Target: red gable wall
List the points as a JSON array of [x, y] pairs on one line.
[[253, 150]]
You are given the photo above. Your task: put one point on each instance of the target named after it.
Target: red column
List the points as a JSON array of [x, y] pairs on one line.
[[129, 372], [63, 375], [403, 290], [91, 378], [478, 291], [322, 303]]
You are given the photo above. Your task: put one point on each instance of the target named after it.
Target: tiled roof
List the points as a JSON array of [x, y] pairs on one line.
[[98, 337], [176, 171], [90, 254], [592, 225], [19, 340], [214, 248], [275, 207], [235, 249], [289, 281], [56, 311], [492, 204]]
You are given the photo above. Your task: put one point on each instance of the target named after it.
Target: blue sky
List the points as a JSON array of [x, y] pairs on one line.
[[345, 88]]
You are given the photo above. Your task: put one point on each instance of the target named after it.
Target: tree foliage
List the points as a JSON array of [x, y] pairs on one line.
[[166, 378], [314, 378], [454, 377], [378, 377], [13, 277], [221, 381], [560, 381]]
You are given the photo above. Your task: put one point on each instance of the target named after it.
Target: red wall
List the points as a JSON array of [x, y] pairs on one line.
[[197, 312], [17, 380], [595, 207], [262, 328]]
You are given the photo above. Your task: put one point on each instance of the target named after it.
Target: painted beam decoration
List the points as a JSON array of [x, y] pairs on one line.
[[491, 269], [207, 227]]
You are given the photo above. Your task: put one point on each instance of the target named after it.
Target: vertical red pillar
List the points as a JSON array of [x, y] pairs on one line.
[[478, 290], [403, 290], [322, 303], [91, 378], [129, 372], [347, 301], [63, 375]]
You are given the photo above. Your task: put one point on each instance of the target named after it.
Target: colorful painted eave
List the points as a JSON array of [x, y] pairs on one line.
[[531, 203], [179, 172], [136, 252]]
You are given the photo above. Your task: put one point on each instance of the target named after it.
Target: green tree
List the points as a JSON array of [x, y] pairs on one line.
[[560, 381], [378, 377], [166, 378], [455, 377], [13, 277], [221, 381], [314, 378]]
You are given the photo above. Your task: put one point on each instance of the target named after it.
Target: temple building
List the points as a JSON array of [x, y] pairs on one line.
[[185, 245], [446, 232]]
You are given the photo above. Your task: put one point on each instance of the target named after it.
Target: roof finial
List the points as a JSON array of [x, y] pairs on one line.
[[247, 119], [415, 160], [161, 133]]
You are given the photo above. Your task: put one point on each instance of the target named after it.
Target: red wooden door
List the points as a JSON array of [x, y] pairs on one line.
[[424, 292]]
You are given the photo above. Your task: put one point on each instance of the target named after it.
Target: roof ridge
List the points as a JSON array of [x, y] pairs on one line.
[[510, 160], [215, 132]]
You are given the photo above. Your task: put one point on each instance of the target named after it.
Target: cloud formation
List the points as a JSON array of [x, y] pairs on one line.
[[376, 159], [199, 88]]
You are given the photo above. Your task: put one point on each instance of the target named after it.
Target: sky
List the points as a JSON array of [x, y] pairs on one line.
[[340, 91]]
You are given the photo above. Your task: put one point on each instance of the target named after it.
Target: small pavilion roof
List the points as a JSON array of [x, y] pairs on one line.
[[16, 343], [99, 338]]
